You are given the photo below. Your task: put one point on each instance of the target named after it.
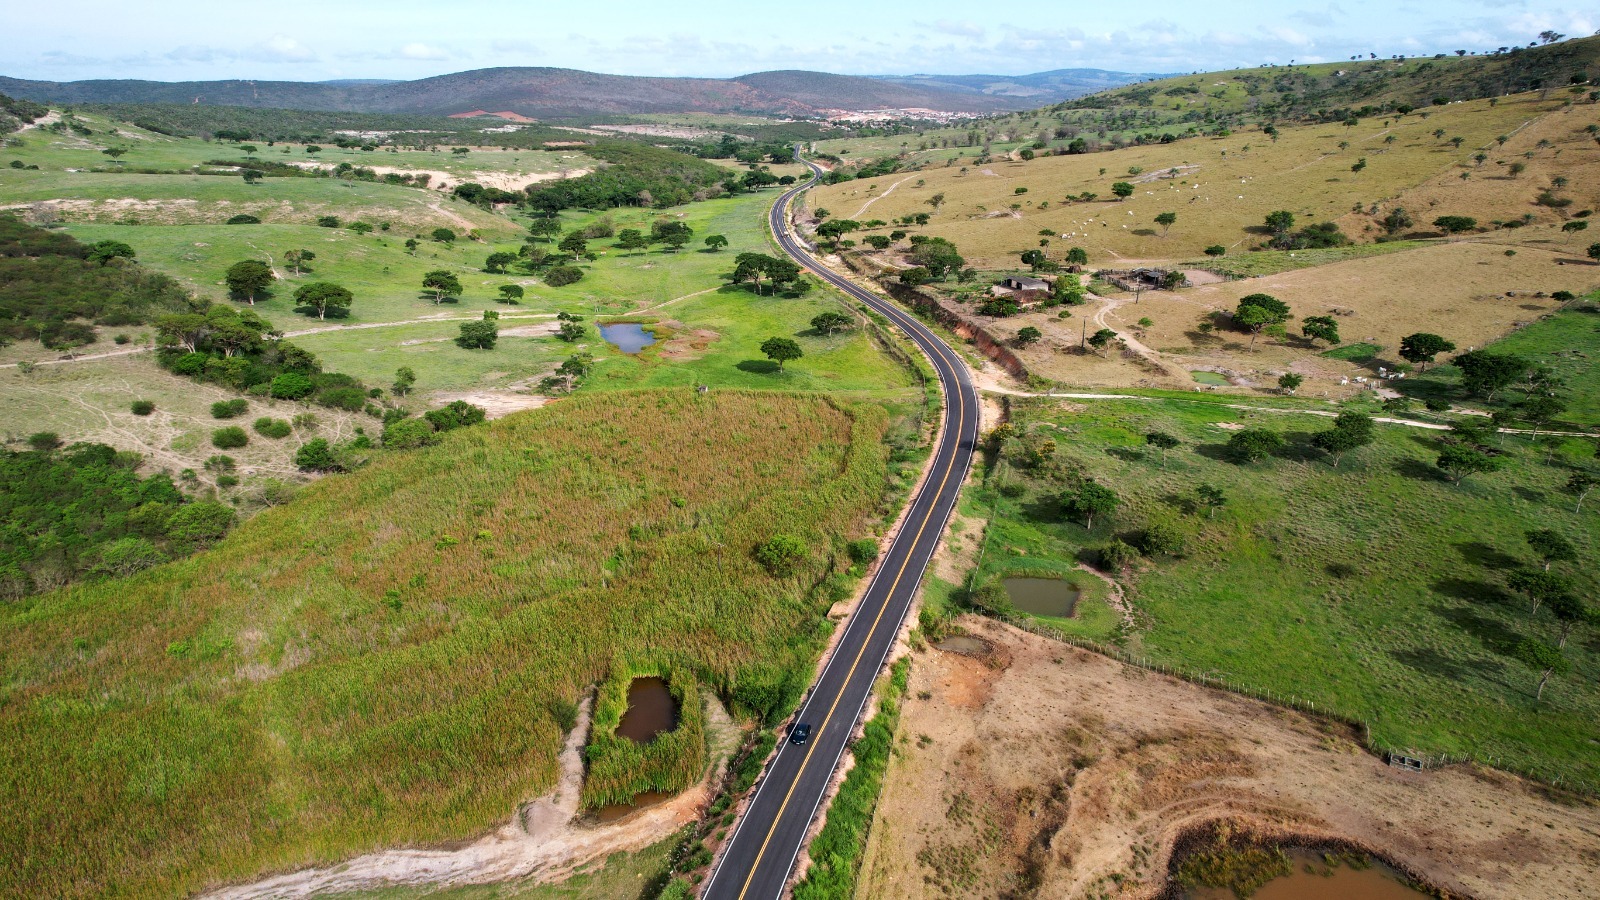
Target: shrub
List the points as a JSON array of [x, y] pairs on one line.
[[291, 386], [228, 409], [781, 554], [44, 440], [272, 428], [229, 438], [561, 276], [317, 456], [1161, 539], [143, 407], [408, 434], [227, 481], [444, 235], [1115, 555], [328, 221], [244, 219], [862, 551]]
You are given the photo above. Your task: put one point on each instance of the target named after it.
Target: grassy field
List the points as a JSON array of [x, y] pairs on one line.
[[1391, 578], [376, 663]]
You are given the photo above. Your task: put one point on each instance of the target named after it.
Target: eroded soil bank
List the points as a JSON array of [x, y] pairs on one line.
[[1041, 770]]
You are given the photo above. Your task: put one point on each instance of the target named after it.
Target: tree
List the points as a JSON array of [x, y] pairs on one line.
[[1289, 382], [1211, 497], [103, 252], [455, 414], [1571, 612], [780, 350], [715, 242], [480, 335], [1322, 328], [1253, 444], [116, 154], [1541, 409], [1574, 226], [1033, 259], [1216, 250], [442, 283], [1089, 500], [671, 232], [1279, 222], [1166, 221], [1028, 335], [571, 371], [1102, 339], [1077, 256], [1257, 311], [1594, 252], [511, 293], [1122, 190], [323, 296], [914, 276], [1542, 658], [1455, 224], [1350, 431], [831, 322], [404, 378], [1517, 168], [296, 260], [1486, 373], [1551, 546], [1422, 347], [1161, 441], [936, 201], [571, 332], [938, 256], [248, 278], [544, 229], [498, 261], [408, 434], [1458, 461], [1579, 484], [574, 243], [1538, 586], [1396, 221]]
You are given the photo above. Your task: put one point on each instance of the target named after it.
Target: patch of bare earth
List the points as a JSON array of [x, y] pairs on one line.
[[1039, 770]]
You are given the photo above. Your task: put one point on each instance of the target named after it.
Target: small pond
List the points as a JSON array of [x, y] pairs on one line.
[[1211, 378], [651, 711], [611, 812], [629, 337], [1043, 596], [1311, 878], [960, 643]]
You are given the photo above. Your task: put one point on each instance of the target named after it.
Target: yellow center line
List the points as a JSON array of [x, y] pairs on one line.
[[961, 412]]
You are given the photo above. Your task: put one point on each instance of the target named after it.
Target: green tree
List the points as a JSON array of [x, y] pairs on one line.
[[1540, 410], [938, 256], [322, 296], [715, 242], [1256, 312], [574, 243], [1102, 339], [1089, 500], [1396, 221], [1162, 441], [1570, 612], [1322, 328], [1574, 226], [1486, 374], [1455, 224], [248, 278], [781, 350], [1594, 252], [1579, 484], [1077, 256], [510, 293], [1166, 220], [408, 434], [296, 260], [498, 261], [831, 322], [571, 332], [671, 232], [1542, 658], [1458, 461], [1028, 335], [1211, 497], [1422, 347], [1289, 382], [1216, 250], [1279, 222], [480, 335], [631, 239], [782, 554], [1350, 431], [404, 379], [1253, 444], [544, 229], [1122, 190], [317, 455], [444, 235], [1551, 546], [442, 283]]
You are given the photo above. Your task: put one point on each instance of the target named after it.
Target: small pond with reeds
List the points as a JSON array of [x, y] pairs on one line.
[[629, 337], [1055, 597]]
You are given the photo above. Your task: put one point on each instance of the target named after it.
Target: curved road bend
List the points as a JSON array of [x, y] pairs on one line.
[[757, 861]]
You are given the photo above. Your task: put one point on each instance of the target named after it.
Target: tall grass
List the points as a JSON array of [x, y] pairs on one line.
[[380, 661], [620, 767]]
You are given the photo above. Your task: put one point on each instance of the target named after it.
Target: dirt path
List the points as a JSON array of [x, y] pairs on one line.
[[868, 205], [82, 358], [1042, 762], [541, 840]]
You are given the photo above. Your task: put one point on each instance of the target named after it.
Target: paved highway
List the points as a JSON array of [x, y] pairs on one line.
[[768, 838]]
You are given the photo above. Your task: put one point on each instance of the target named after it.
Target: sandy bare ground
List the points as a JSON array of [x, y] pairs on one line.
[[868, 205], [1039, 763], [544, 839], [496, 404], [441, 180]]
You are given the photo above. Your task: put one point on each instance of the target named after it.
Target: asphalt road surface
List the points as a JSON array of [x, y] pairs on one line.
[[768, 838]]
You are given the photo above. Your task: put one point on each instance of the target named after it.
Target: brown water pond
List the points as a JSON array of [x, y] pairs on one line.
[[1312, 878], [1043, 596], [651, 710]]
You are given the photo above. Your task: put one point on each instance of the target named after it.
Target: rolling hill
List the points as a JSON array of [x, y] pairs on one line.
[[558, 93], [1040, 87]]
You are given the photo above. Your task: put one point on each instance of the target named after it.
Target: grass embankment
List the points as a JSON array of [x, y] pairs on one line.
[[620, 768], [836, 852], [385, 659], [1390, 578]]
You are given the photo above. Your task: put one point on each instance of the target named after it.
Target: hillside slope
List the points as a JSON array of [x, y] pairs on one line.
[[1040, 87], [537, 92]]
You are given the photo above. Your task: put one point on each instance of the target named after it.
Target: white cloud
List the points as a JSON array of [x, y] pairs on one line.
[[279, 48], [418, 50], [957, 28]]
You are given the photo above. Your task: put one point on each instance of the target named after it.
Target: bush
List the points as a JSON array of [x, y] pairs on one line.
[[862, 551], [317, 456], [1161, 539], [229, 438], [328, 221], [291, 386], [143, 407], [444, 235], [228, 409], [781, 554], [244, 219], [272, 428], [44, 440], [408, 434], [1115, 555], [561, 276]]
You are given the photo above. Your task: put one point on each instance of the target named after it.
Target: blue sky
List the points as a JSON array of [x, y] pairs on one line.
[[297, 40]]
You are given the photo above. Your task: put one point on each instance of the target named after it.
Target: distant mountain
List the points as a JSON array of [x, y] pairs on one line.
[[545, 93], [1038, 89]]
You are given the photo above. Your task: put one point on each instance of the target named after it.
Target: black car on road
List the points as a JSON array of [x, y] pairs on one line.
[[799, 734]]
